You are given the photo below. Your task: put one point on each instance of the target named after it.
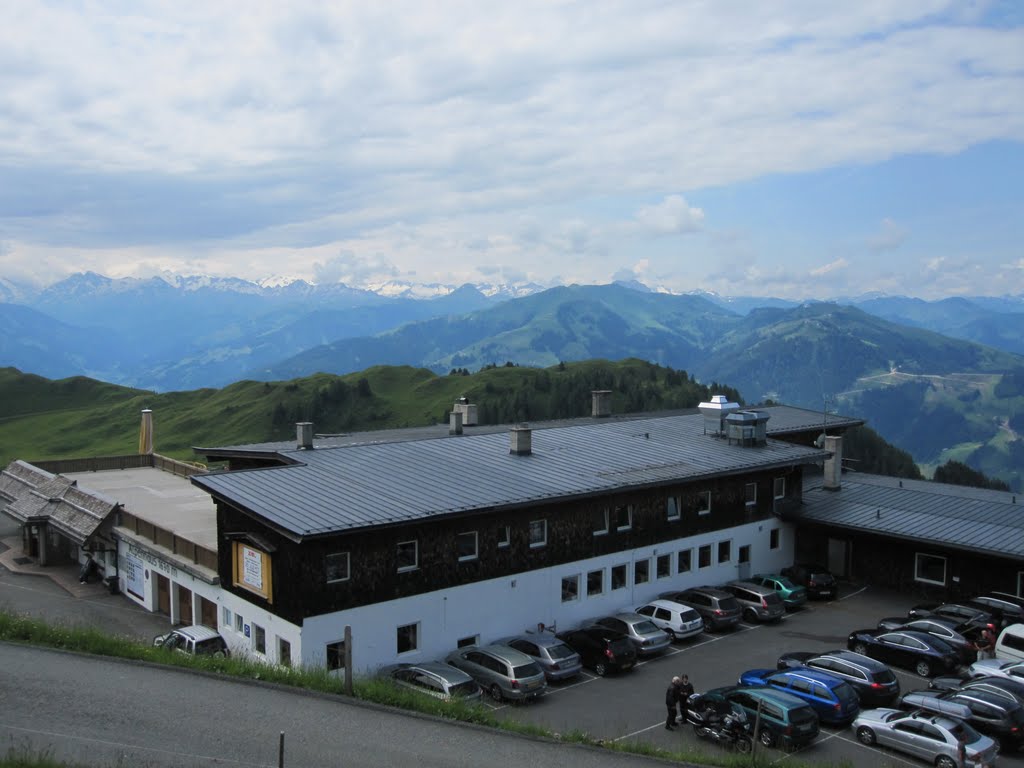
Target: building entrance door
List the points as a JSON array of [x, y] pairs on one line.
[[838, 556], [184, 605], [207, 612], [163, 594]]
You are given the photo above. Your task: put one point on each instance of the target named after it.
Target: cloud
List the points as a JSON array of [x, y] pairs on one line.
[[889, 237], [834, 266], [350, 269], [672, 216]]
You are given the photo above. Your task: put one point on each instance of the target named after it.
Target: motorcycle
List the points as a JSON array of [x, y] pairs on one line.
[[730, 729]]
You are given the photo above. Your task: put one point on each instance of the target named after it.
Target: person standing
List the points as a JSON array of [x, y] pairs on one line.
[[986, 644], [671, 700], [684, 692]]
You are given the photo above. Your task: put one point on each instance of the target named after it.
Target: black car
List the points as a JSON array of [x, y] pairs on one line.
[[994, 715], [601, 649], [875, 683], [970, 615], [926, 654], [816, 579], [1001, 686], [961, 636], [1005, 609]]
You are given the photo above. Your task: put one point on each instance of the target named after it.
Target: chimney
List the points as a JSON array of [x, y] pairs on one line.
[[455, 423], [146, 432], [468, 411], [520, 440], [834, 463], [601, 403], [304, 435]]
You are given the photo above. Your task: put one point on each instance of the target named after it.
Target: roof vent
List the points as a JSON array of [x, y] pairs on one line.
[[455, 423], [715, 412], [747, 427], [468, 411], [601, 403], [304, 435], [146, 432], [520, 440]]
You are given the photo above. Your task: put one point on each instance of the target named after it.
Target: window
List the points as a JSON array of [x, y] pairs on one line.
[[618, 576], [744, 554], [239, 623], [672, 507], [683, 560], [773, 538], [504, 537], [225, 616], [538, 533], [664, 566], [704, 503], [407, 637], [642, 571], [595, 583], [600, 522], [465, 545], [259, 639], [570, 588], [623, 517], [931, 569], [704, 556], [779, 488], [463, 642], [751, 494], [284, 652], [337, 567], [408, 555], [724, 551], [336, 655]]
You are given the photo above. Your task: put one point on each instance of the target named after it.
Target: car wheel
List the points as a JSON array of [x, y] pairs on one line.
[[744, 745], [945, 761], [866, 736], [219, 654], [923, 668], [496, 692], [750, 616], [672, 636], [767, 738], [601, 669], [861, 649]]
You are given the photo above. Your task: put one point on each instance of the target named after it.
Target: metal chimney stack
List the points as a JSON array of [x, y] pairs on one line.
[[601, 403], [304, 434], [146, 432]]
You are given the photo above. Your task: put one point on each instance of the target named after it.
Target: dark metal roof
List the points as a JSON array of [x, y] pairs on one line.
[[946, 516], [370, 484]]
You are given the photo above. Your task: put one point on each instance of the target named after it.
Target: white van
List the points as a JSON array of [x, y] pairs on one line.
[[1010, 643]]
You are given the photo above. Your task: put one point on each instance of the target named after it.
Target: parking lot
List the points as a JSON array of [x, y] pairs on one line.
[[631, 706]]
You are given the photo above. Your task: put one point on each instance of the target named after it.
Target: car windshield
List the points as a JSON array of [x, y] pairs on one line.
[[728, 604], [885, 677], [560, 651], [784, 581], [213, 645], [645, 627], [963, 732], [466, 688], [846, 694], [802, 715], [526, 670]]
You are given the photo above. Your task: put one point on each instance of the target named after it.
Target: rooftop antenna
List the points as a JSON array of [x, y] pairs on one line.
[[819, 441]]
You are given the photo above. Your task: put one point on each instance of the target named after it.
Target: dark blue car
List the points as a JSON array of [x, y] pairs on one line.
[[926, 654], [832, 699]]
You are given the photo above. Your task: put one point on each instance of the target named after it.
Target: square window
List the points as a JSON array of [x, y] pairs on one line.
[[465, 545], [407, 637], [239, 623], [751, 494], [684, 561], [704, 503], [664, 566], [704, 556], [570, 588], [259, 639], [930, 569], [337, 567], [724, 551], [336, 655], [504, 537], [773, 538], [642, 571], [538, 533], [225, 616], [779, 488], [672, 508], [623, 517], [408, 555], [464, 642], [600, 521], [744, 554], [595, 583], [618, 576]]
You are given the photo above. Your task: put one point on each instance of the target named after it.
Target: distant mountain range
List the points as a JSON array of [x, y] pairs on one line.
[[925, 374]]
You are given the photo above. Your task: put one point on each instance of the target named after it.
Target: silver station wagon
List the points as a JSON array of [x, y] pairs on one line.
[[503, 672]]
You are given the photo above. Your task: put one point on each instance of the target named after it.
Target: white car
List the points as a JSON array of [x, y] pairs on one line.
[[932, 738], [678, 620], [1014, 670]]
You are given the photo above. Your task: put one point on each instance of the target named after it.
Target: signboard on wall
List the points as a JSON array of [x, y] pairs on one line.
[[134, 576], [251, 568]]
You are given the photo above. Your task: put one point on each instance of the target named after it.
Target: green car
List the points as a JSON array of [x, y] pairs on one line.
[[793, 595]]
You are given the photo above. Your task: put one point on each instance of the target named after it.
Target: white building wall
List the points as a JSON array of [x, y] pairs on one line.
[[238, 621], [493, 609]]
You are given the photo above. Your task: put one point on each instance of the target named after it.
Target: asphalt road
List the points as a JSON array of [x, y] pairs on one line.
[[109, 713]]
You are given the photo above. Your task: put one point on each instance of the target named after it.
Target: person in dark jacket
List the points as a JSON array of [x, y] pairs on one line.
[[671, 700], [684, 691]]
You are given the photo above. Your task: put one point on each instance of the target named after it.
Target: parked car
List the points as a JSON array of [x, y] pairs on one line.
[[970, 615], [195, 640], [647, 637], [1014, 670], [503, 672], [832, 699], [1002, 686], [816, 579], [926, 654], [875, 683], [784, 719], [948, 630], [717, 608], [678, 620], [758, 603], [793, 595], [1010, 643], [432, 678], [991, 714], [1006, 609], [558, 660], [602, 649], [933, 738]]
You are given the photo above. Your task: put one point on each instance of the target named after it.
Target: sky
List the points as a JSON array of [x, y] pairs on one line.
[[793, 149]]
